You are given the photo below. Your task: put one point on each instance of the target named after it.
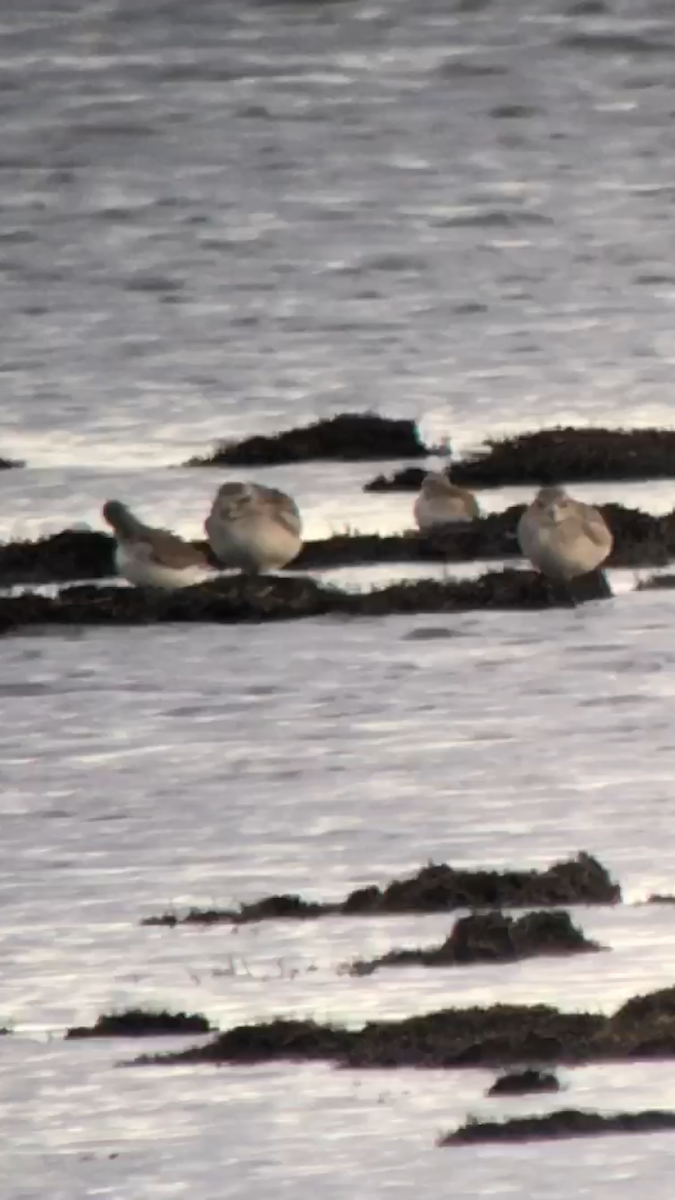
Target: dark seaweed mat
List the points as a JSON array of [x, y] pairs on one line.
[[520, 1083], [566, 1123], [7, 463], [135, 1022], [490, 937], [640, 540], [238, 598], [348, 437], [497, 1036], [437, 887], [556, 456]]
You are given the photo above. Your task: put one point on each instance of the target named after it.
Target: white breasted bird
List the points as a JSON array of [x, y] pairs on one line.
[[253, 528], [563, 537], [150, 557], [441, 502]]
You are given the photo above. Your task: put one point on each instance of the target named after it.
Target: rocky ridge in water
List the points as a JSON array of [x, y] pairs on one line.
[[566, 1123], [348, 437], [137, 1022], [564, 456], [494, 1036], [490, 938], [437, 887], [242, 599]]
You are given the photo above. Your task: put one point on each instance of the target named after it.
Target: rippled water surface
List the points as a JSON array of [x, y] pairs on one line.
[[220, 218]]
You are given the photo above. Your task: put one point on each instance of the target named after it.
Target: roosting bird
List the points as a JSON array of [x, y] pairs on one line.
[[150, 557], [563, 537], [254, 528], [441, 502]]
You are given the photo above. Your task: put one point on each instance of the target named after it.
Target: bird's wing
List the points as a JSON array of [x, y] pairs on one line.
[[595, 527], [169, 550], [284, 508]]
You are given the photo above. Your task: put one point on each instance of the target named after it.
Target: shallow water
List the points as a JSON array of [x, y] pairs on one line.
[[225, 218]]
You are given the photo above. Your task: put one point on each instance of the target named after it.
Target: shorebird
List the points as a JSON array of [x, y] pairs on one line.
[[254, 528], [153, 557], [440, 502], [563, 537]]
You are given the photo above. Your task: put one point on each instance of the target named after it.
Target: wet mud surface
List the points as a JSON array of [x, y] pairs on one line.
[[495, 1036], [348, 437], [136, 1022], [490, 938], [243, 599], [435, 888], [640, 540], [566, 1123], [522, 1083], [556, 456]]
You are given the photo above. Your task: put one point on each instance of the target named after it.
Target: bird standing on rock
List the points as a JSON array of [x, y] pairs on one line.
[[562, 537], [150, 557], [253, 527], [441, 502]]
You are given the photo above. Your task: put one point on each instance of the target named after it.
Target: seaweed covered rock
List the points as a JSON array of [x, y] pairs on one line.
[[566, 1123], [493, 536], [497, 1036], [570, 455], [520, 1083], [348, 437], [453, 1037], [491, 937], [645, 1024], [240, 598], [409, 479], [136, 1022], [557, 455], [70, 555], [267, 1041], [437, 887], [7, 463]]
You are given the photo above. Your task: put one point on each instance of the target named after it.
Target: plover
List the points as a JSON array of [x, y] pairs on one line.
[[441, 502], [254, 528], [150, 557], [562, 537]]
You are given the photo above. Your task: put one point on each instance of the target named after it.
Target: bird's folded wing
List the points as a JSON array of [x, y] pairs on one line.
[[596, 528], [171, 551]]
